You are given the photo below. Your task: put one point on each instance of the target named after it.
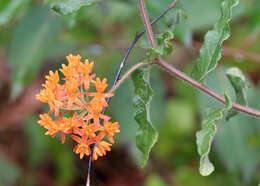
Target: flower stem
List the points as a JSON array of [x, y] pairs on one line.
[[127, 74]]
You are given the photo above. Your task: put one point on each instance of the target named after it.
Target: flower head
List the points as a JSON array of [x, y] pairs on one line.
[[75, 110]]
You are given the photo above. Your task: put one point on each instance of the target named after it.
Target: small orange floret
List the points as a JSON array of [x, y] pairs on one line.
[[45, 96], [84, 119], [110, 129], [101, 85], [82, 147], [100, 149], [71, 86], [46, 121], [86, 68], [52, 80], [95, 108], [73, 60], [66, 71]]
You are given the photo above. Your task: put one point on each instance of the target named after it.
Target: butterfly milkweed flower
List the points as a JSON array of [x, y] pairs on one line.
[[75, 107]]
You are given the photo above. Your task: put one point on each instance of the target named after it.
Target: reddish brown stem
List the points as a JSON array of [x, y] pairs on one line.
[[208, 91], [147, 23]]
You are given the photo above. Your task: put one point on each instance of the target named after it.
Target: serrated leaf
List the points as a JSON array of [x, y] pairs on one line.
[[164, 47], [210, 52], [146, 135], [239, 83], [65, 7], [34, 38], [206, 135]]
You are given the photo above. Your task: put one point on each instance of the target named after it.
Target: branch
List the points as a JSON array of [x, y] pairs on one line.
[[208, 91], [186, 78]]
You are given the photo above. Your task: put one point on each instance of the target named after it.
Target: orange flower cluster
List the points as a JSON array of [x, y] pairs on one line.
[[76, 110]]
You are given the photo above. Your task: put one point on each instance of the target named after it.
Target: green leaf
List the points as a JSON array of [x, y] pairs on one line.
[[164, 48], [147, 135], [65, 7], [235, 139], [210, 52], [34, 38], [206, 135], [239, 83], [9, 9]]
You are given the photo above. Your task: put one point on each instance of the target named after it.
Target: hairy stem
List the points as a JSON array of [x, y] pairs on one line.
[[127, 74]]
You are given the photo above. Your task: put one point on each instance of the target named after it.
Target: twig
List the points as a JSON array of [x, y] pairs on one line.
[[126, 75], [129, 49], [189, 80]]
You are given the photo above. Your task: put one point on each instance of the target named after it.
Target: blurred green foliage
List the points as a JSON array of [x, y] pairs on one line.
[[9, 172], [34, 39], [40, 29]]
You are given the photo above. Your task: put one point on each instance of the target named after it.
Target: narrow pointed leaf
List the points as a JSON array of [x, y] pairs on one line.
[[210, 52], [65, 7], [206, 135], [147, 135], [239, 83]]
